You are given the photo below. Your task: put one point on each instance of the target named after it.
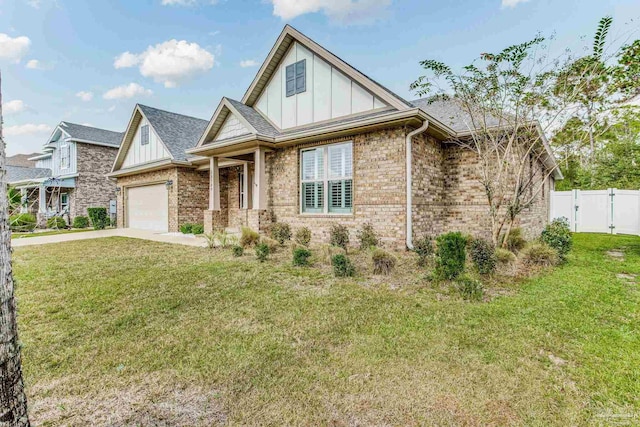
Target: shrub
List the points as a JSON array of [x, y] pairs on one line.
[[211, 240], [301, 257], [186, 228], [470, 289], [197, 229], [99, 218], [515, 241], [383, 262], [342, 266], [56, 222], [424, 248], [281, 232], [262, 252], [329, 251], [303, 236], [483, 255], [339, 236], [505, 256], [367, 236], [557, 234], [80, 222], [22, 222], [538, 255], [450, 255], [271, 243], [237, 251], [249, 237]]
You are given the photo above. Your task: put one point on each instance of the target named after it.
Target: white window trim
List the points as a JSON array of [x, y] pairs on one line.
[[325, 181], [62, 204], [65, 148], [142, 143]]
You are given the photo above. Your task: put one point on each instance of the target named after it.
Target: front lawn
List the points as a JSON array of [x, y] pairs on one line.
[[122, 331], [20, 235]]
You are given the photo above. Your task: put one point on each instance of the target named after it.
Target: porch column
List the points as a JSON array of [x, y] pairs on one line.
[[23, 200], [260, 178], [245, 186], [42, 199], [214, 184]]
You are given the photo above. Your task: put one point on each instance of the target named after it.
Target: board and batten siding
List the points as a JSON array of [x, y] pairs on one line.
[[138, 153], [329, 93], [231, 127], [53, 162], [46, 163]]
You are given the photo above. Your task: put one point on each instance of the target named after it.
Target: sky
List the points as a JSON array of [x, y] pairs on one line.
[[90, 62]]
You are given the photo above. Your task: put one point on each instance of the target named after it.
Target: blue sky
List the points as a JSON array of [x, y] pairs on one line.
[[89, 62]]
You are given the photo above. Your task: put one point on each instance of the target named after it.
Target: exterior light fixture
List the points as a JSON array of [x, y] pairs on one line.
[[118, 190], [169, 183]]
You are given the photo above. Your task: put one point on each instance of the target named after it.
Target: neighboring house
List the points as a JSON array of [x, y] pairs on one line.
[[70, 173], [313, 142], [22, 160]]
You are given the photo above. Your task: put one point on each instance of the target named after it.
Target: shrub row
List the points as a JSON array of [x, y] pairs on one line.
[[189, 228]]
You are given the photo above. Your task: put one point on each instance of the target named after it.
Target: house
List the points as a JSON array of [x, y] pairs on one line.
[[69, 174], [313, 142]]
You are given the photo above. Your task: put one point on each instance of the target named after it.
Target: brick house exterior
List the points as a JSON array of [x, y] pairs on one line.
[[275, 156]]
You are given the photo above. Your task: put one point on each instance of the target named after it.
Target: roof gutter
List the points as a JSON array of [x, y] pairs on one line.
[[409, 201]]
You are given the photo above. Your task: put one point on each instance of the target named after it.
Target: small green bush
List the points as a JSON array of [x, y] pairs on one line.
[[383, 262], [272, 243], [301, 257], [515, 241], [538, 254], [557, 234], [505, 256], [470, 289], [249, 237], [80, 222], [281, 232], [56, 222], [237, 251], [303, 236], [99, 218], [262, 252], [197, 229], [450, 255], [424, 248], [22, 222], [483, 255], [342, 266], [339, 236], [186, 228], [367, 236], [210, 238]]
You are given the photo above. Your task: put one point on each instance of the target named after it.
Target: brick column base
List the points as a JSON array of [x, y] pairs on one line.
[[258, 219], [214, 220]]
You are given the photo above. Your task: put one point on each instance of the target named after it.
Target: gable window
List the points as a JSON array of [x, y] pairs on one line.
[[144, 134], [327, 179], [64, 156], [296, 75]]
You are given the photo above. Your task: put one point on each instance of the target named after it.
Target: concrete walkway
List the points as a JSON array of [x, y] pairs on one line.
[[119, 232]]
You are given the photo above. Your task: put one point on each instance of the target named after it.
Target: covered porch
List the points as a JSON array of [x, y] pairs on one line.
[[47, 198]]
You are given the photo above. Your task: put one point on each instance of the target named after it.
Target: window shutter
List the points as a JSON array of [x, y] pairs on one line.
[[291, 80], [301, 80]]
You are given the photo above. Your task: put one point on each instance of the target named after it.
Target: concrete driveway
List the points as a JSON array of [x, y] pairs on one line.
[[119, 232]]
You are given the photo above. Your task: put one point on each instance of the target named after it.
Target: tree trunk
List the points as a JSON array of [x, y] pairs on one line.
[[13, 401]]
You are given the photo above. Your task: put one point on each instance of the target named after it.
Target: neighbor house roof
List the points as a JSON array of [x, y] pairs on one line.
[[21, 173], [88, 134], [450, 114], [22, 160], [177, 131]]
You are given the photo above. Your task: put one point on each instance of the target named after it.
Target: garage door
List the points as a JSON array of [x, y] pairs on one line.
[[148, 208]]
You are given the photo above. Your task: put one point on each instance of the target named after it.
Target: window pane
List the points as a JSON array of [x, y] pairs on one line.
[[312, 197], [300, 84], [291, 80], [312, 165], [290, 71], [291, 87], [340, 161], [300, 67], [340, 196]]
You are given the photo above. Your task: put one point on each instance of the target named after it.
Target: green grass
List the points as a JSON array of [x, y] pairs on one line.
[[48, 233], [274, 344]]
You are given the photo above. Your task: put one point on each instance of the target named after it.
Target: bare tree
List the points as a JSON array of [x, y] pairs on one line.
[[13, 401]]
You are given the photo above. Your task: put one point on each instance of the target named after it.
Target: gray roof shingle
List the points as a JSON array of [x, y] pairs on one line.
[[449, 113], [254, 118], [21, 173], [177, 131], [88, 133]]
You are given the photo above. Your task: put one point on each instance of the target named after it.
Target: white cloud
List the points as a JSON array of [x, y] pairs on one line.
[[85, 96], [34, 64], [14, 107], [343, 11], [512, 3], [112, 108], [27, 129], [127, 91], [248, 63], [13, 48], [34, 3], [170, 62]]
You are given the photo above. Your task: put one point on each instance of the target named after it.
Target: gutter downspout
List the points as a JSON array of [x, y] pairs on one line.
[[409, 136]]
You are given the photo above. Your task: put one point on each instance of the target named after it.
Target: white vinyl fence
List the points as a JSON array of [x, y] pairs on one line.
[[598, 211]]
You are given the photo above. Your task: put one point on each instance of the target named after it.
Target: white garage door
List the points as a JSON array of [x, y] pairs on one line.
[[148, 208]]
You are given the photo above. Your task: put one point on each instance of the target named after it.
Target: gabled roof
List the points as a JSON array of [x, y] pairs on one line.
[[255, 122], [21, 173], [286, 38], [255, 119], [90, 134]]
